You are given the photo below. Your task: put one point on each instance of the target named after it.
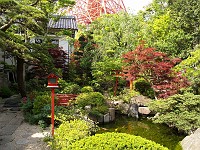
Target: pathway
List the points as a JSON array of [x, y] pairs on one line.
[[15, 134]]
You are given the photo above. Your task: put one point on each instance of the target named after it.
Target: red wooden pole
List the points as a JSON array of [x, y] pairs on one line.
[[52, 111]]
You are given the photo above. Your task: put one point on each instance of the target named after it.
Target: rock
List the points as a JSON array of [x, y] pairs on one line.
[[124, 107], [88, 108], [144, 110], [106, 118], [133, 110], [140, 100], [192, 142], [112, 113]]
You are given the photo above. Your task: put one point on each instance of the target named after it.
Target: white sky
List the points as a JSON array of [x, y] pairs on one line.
[[134, 6]]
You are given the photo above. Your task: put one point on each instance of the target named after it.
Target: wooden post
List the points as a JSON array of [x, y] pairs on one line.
[[131, 84], [52, 111]]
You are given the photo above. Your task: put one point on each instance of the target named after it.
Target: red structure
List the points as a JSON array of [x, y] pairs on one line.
[[88, 10], [52, 83]]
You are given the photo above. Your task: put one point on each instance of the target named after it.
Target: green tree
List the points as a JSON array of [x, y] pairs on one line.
[[113, 35], [191, 69], [31, 17]]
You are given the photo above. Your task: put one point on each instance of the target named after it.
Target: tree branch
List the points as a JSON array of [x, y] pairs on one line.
[[36, 2], [6, 26]]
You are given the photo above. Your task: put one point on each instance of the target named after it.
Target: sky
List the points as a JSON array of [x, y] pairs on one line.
[[134, 6]]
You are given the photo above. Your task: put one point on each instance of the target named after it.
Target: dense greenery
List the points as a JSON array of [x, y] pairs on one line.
[[20, 20], [95, 100], [69, 132], [190, 68], [118, 141], [179, 111], [143, 127]]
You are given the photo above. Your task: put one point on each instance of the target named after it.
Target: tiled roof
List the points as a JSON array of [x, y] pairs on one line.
[[64, 22]]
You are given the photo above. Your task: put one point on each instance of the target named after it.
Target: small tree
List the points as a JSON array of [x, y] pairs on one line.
[[156, 68]]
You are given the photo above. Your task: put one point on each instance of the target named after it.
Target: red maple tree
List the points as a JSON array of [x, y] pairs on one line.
[[156, 68]]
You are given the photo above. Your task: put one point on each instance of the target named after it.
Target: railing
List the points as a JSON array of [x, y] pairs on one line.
[[63, 99]]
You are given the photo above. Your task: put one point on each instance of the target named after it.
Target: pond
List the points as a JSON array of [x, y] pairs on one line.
[[143, 127]]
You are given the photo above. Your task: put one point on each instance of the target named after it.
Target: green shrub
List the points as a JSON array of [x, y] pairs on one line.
[[125, 95], [87, 89], [68, 88], [180, 111], [69, 132], [144, 87], [115, 141], [5, 92], [40, 100], [92, 98], [95, 100]]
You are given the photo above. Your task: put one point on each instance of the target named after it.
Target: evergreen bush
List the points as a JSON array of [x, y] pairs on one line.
[[69, 132], [180, 111], [95, 100], [115, 141]]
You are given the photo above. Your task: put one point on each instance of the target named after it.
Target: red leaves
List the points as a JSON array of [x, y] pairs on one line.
[[156, 67]]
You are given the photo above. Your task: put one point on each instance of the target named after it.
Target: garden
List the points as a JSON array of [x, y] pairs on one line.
[[135, 78]]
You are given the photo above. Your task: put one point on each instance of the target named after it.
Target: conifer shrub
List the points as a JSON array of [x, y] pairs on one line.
[[179, 111], [115, 141]]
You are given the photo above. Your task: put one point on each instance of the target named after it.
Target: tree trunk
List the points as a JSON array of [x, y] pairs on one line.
[[21, 76]]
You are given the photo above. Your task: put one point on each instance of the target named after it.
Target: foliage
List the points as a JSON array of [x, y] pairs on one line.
[[40, 100], [68, 113], [81, 60], [38, 84], [68, 87], [59, 56], [156, 68], [144, 88], [69, 132], [186, 16], [125, 95], [87, 89], [95, 100], [19, 22], [190, 68], [180, 111], [5, 92], [118, 141]]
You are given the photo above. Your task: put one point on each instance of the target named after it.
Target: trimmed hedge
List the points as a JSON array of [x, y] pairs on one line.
[[115, 141]]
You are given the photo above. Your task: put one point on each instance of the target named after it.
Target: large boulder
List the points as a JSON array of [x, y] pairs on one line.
[[140, 100], [192, 142]]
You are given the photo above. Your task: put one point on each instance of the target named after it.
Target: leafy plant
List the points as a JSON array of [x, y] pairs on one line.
[[87, 89], [190, 68], [69, 132], [68, 87], [117, 141], [179, 111], [40, 101], [144, 87], [125, 95], [5, 92], [156, 68], [95, 100]]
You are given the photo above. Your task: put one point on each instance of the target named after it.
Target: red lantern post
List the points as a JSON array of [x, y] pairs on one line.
[[52, 83]]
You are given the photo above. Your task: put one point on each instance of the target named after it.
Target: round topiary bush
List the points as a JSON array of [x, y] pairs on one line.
[[115, 141], [87, 89]]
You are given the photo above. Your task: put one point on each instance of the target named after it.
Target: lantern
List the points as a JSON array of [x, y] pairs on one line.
[[52, 81]]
